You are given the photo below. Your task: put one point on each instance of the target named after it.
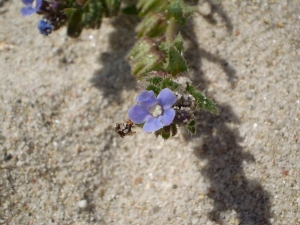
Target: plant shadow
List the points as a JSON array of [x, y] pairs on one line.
[[221, 145], [194, 51], [229, 189], [115, 75], [218, 9]]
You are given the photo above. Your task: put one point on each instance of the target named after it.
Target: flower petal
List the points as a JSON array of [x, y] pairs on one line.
[[146, 98], [27, 2], [44, 27], [152, 124], [38, 5], [166, 98], [167, 117], [138, 114], [26, 11]]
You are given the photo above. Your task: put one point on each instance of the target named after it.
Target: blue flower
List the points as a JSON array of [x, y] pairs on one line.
[[28, 10], [44, 27], [155, 112]]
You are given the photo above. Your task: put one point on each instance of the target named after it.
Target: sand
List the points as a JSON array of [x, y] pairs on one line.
[[62, 163]]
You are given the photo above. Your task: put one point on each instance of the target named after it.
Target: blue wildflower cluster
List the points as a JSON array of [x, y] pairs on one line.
[[53, 14], [44, 27]]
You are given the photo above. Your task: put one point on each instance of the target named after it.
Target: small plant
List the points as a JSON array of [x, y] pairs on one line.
[[169, 100]]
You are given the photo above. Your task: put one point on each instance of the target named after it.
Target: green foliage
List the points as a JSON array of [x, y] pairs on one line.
[[176, 62], [174, 130], [191, 127], [93, 16], [111, 7], [168, 83], [153, 25], [180, 11], [144, 57], [158, 15], [148, 6], [167, 131], [156, 84], [155, 80], [74, 27], [153, 88], [201, 101], [88, 14], [130, 10], [178, 43]]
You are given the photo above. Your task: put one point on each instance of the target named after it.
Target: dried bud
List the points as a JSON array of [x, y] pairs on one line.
[[124, 128]]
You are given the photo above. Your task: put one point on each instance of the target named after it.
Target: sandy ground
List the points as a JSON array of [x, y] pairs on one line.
[[62, 163]]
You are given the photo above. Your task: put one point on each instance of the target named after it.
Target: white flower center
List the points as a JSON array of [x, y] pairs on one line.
[[156, 110]]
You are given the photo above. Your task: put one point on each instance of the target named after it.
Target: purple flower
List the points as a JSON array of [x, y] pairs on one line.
[[28, 10], [155, 112], [44, 27]]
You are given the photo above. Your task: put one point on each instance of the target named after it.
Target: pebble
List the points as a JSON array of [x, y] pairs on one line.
[[7, 157], [280, 24], [82, 204], [195, 220], [19, 163], [205, 9], [249, 95], [281, 105]]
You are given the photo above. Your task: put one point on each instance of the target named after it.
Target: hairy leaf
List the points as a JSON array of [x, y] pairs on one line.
[[147, 6], [74, 24], [201, 101], [176, 62], [152, 26], [180, 11]]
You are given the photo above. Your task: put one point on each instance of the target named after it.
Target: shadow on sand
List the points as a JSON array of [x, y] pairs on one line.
[[219, 143], [116, 75]]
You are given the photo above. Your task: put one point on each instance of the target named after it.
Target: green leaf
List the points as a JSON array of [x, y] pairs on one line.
[[174, 130], [145, 57], [178, 43], [69, 12], [92, 18], [191, 127], [176, 62], [74, 24], [151, 61], [164, 47], [140, 49], [147, 6], [166, 132], [154, 80], [192, 123], [152, 26], [180, 11], [153, 88], [168, 83], [201, 101], [130, 10], [111, 7]]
